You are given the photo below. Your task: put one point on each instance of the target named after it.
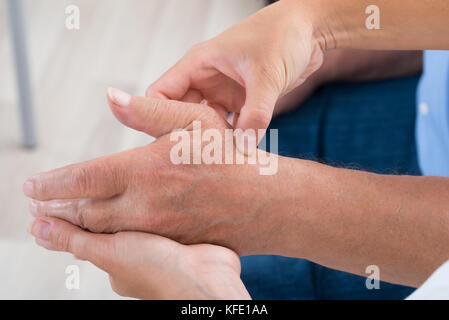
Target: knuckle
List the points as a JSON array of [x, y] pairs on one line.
[[62, 241], [82, 179], [118, 176], [91, 217], [199, 47], [260, 115], [201, 51], [115, 286], [80, 215], [78, 249], [118, 287], [149, 113], [39, 188], [151, 109], [42, 209]]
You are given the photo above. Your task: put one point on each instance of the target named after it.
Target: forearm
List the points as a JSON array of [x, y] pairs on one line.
[[404, 24], [348, 220]]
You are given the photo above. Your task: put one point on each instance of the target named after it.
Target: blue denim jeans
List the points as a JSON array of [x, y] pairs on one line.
[[368, 126]]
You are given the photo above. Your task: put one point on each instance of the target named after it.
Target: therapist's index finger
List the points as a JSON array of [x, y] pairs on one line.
[[100, 178], [175, 83]]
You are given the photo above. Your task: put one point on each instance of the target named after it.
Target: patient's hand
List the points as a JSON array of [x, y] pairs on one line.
[[147, 266], [142, 190]]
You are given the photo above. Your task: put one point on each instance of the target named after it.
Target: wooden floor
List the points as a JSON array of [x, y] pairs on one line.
[[121, 43]]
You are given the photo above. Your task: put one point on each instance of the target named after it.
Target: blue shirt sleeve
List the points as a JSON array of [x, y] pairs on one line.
[[432, 131]]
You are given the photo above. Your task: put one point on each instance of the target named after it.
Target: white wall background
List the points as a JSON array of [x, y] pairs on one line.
[[121, 43]]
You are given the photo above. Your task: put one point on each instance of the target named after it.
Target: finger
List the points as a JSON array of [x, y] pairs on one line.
[[192, 96], [108, 252], [46, 244], [96, 215], [100, 178], [58, 235], [258, 109], [220, 110], [154, 116], [175, 83], [255, 116]]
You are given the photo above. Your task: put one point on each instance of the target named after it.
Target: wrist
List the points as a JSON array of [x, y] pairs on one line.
[[335, 66], [285, 209], [330, 29], [387, 25]]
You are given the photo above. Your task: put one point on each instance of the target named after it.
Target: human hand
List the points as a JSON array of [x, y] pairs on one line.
[[247, 68], [299, 95], [142, 190], [146, 266]]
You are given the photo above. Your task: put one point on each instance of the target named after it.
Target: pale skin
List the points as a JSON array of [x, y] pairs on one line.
[[339, 218]]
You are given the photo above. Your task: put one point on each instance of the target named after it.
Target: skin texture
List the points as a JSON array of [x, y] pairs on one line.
[[340, 218], [141, 190], [159, 269], [404, 24]]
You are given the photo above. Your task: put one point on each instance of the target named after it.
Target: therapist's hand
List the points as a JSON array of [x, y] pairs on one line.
[[247, 68], [146, 266], [142, 190]]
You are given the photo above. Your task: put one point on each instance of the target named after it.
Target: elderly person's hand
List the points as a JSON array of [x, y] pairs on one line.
[[147, 266], [143, 190]]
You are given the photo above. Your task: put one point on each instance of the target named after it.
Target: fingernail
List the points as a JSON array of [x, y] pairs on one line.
[[41, 229], [33, 208], [28, 188], [119, 97], [246, 142]]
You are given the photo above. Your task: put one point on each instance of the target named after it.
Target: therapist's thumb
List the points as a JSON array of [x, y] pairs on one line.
[[153, 116], [256, 114]]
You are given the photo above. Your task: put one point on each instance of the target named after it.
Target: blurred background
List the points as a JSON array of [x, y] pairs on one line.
[[125, 44]]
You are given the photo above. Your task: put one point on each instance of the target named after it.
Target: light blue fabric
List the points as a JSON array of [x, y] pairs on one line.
[[433, 115]]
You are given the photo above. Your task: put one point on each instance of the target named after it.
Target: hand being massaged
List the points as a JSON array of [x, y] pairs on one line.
[[120, 211], [244, 71], [140, 190]]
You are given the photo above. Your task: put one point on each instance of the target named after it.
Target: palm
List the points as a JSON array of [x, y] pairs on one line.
[[183, 272]]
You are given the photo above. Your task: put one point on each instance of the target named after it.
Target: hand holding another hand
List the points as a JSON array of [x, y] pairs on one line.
[[147, 266], [142, 190], [245, 71]]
